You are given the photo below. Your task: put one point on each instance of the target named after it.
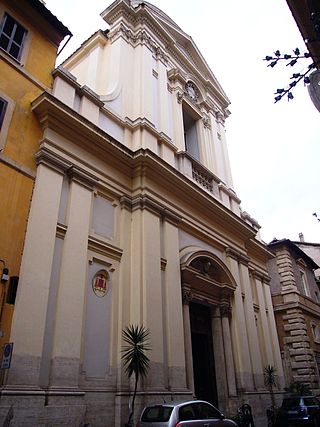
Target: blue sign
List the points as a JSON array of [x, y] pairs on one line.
[[7, 353]]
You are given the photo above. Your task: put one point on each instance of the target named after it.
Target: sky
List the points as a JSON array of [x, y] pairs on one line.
[[274, 149]]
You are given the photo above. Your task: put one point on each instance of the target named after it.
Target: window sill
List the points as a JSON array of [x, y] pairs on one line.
[[12, 58]]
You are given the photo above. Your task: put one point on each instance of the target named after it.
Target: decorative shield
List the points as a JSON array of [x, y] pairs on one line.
[[100, 283]]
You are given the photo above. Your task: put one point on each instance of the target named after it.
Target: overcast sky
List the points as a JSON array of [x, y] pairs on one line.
[[274, 148]]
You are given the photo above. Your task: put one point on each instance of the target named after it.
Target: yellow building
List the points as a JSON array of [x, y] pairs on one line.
[[29, 39]]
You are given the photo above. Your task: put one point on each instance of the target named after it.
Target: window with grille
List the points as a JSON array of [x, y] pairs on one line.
[[12, 36], [3, 107]]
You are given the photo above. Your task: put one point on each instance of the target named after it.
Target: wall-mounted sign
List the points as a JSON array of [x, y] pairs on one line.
[[314, 88], [6, 357], [100, 283]]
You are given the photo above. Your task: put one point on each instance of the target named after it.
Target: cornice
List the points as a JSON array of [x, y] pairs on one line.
[[104, 248], [190, 192], [238, 256], [259, 275], [61, 231], [257, 248], [143, 201], [81, 90], [144, 123], [57, 116], [140, 36], [52, 160], [58, 163], [54, 114], [82, 177], [163, 264]]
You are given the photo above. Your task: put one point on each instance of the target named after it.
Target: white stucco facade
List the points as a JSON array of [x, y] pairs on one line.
[[134, 181]]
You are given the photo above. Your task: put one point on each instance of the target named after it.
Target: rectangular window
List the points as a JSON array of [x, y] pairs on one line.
[[3, 107], [315, 332], [305, 286], [190, 134], [12, 36]]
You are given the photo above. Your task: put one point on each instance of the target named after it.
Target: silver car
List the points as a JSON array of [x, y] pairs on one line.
[[194, 413]]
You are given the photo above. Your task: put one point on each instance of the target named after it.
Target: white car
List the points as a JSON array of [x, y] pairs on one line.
[[193, 413]]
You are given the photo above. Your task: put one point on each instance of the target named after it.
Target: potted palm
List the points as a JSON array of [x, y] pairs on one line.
[[270, 381], [135, 360]]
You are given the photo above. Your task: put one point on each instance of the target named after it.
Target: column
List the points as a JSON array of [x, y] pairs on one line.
[[225, 313], [219, 360], [29, 318], [242, 356], [73, 279], [173, 307], [252, 334], [187, 297]]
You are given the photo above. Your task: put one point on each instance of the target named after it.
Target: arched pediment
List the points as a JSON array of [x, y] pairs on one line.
[[206, 275]]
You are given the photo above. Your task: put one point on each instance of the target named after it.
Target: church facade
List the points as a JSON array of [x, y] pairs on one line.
[[134, 220]]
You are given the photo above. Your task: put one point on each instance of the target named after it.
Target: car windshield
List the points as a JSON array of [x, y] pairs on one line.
[[310, 401], [290, 402], [157, 413]]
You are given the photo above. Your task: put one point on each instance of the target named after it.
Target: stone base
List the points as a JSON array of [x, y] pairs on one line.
[[102, 407]]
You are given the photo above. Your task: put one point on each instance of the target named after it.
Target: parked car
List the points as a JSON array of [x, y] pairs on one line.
[[194, 413], [299, 411]]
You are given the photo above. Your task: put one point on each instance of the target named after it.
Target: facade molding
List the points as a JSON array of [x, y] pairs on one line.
[[259, 275], [48, 158], [144, 201], [237, 255], [102, 247], [61, 231], [141, 36], [82, 177]]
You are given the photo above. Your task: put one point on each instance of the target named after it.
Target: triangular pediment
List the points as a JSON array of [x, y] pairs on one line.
[[182, 44]]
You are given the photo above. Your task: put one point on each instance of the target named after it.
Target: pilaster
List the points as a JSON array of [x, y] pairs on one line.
[[172, 304], [220, 363], [240, 334], [253, 340], [225, 311], [186, 298], [33, 294], [263, 317], [73, 278]]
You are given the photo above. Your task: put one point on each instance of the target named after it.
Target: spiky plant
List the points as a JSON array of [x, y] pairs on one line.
[[270, 380], [136, 362]]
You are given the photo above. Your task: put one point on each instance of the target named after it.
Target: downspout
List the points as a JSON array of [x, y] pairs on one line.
[[67, 41]]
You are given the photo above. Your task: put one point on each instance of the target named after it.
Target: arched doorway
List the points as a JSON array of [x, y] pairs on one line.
[[209, 286], [205, 384]]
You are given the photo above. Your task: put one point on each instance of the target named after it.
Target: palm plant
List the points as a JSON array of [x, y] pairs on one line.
[[135, 360], [270, 380]]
